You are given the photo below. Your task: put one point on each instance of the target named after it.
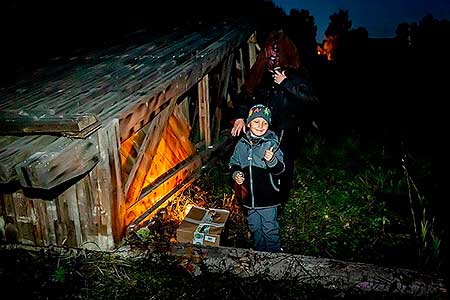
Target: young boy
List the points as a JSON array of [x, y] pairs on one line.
[[255, 164]]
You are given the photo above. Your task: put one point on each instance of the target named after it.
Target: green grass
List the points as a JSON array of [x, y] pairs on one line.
[[349, 203]]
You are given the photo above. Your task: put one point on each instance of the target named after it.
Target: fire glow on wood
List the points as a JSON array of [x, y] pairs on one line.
[[174, 148]]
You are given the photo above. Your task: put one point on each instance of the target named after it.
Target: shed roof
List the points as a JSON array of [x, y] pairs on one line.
[[53, 113]]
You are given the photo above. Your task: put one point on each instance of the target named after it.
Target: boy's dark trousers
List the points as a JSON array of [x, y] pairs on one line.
[[265, 229]]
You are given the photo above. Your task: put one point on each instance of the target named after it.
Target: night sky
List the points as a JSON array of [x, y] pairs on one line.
[[379, 17]]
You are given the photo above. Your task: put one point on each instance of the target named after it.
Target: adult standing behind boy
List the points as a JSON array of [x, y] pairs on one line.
[[277, 80], [256, 164]]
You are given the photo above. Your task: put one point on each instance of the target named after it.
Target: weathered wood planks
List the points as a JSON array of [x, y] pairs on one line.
[[42, 122], [16, 149], [62, 160], [88, 213]]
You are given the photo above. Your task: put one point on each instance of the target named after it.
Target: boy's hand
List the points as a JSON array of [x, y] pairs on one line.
[[238, 176], [268, 155]]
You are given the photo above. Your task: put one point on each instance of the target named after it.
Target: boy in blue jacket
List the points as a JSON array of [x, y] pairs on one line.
[[255, 164]]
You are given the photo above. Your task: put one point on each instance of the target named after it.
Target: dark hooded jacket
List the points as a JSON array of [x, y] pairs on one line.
[[287, 100], [261, 177]]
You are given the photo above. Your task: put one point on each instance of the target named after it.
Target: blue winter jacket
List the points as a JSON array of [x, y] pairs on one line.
[[261, 176]]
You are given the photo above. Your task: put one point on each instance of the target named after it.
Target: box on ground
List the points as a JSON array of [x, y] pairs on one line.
[[202, 226]]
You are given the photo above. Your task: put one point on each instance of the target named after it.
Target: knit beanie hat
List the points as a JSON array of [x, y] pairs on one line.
[[259, 111]]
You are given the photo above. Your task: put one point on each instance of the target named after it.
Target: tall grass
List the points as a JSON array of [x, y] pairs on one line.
[[348, 203]]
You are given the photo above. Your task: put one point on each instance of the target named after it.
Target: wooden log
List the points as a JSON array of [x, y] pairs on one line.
[[83, 133], [341, 277], [84, 207], [43, 122], [73, 214], [24, 218], [349, 277], [59, 162], [64, 224]]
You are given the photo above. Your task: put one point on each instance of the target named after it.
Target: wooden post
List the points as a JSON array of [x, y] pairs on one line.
[[203, 106], [109, 183]]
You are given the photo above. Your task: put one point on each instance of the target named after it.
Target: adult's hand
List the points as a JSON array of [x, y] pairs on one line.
[[279, 77], [238, 125]]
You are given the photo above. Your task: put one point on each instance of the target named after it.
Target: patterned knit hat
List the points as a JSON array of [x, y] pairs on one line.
[[259, 110]]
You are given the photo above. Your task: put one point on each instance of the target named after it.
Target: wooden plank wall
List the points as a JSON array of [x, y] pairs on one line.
[[88, 213]]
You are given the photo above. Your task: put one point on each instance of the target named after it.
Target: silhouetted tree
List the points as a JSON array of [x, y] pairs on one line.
[[339, 23], [302, 30]]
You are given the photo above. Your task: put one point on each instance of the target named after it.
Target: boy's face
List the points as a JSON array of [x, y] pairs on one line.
[[258, 126]]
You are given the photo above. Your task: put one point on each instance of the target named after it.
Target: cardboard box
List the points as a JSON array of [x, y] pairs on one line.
[[202, 226]]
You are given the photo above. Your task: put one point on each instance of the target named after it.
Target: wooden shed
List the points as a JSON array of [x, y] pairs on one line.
[[93, 146]]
